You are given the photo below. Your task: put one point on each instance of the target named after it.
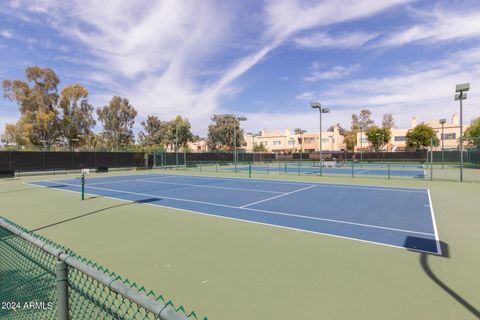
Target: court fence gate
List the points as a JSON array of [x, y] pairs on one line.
[[43, 280]]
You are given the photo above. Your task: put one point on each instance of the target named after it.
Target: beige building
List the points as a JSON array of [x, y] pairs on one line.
[[198, 146], [451, 134], [284, 141]]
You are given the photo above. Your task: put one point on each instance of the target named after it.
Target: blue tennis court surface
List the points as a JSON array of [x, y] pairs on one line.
[[399, 217], [365, 170]]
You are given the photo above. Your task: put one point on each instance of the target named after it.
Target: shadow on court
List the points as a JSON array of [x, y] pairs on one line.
[[445, 253], [147, 200]]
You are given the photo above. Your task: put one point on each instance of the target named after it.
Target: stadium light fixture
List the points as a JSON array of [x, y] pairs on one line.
[[317, 105]]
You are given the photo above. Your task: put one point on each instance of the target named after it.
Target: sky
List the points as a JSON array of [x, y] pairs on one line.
[[265, 60]]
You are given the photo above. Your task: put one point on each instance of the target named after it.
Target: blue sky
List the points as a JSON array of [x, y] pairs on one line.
[[262, 59]]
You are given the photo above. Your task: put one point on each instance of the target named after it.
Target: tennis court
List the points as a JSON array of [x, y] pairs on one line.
[[398, 217], [376, 170]]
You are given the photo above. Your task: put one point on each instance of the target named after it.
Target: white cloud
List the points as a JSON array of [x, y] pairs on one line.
[[438, 26], [344, 40], [306, 96], [162, 49], [423, 90], [6, 33], [317, 74]]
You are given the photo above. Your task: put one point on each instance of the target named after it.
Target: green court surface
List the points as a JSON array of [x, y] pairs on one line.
[[228, 269]]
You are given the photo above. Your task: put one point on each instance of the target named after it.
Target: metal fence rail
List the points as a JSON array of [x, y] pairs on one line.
[[43, 280]]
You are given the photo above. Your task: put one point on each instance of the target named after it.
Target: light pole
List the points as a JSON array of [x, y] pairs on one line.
[[461, 94], [317, 105], [253, 144], [442, 122], [235, 119], [378, 140]]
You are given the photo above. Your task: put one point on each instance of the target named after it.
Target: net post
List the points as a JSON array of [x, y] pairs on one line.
[[249, 169], [285, 168], [61, 272], [216, 166], [268, 169], [299, 168], [389, 171]]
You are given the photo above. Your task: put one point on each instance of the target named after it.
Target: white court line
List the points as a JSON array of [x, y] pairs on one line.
[[434, 222], [321, 185], [244, 220], [205, 186], [275, 197], [255, 210], [361, 171]]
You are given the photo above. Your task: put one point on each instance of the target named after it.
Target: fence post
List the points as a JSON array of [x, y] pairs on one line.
[[61, 271], [431, 159], [353, 167]]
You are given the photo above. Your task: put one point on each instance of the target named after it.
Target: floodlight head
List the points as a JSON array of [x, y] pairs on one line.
[[442, 121], [464, 87], [460, 96], [325, 110], [242, 119], [315, 105]]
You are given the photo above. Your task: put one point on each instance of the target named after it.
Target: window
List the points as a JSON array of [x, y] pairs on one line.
[[276, 142], [309, 140], [325, 140], [291, 141], [449, 136], [363, 140], [399, 138]]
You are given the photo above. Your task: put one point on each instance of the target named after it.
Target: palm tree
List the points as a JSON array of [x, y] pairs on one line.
[[300, 132]]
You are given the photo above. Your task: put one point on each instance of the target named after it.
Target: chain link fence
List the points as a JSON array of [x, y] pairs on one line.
[[43, 280], [417, 165]]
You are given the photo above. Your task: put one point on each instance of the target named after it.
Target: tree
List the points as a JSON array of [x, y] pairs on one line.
[[341, 130], [220, 132], [388, 121], [259, 148], [77, 119], [420, 137], [13, 134], [179, 133], [355, 124], [350, 140], [118, 119], [364, 120], [378, 137], [472, 134], [37, 98], [298, 131], [360, 123], [153, 132]]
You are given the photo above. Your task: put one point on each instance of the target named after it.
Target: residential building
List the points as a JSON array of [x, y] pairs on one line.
[[284, 141], [198, 146], [451, 134]]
